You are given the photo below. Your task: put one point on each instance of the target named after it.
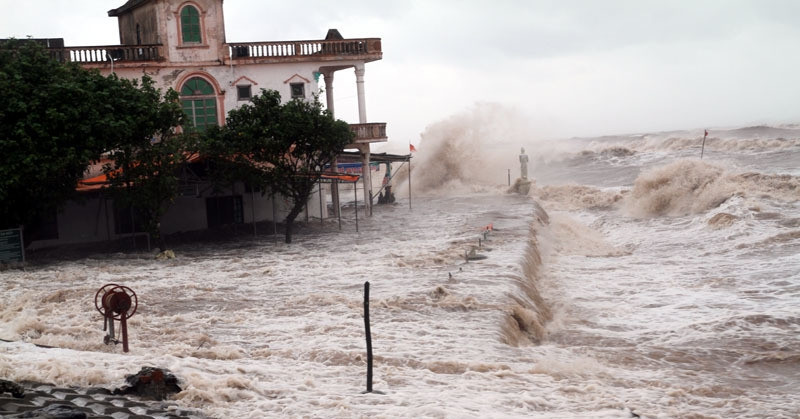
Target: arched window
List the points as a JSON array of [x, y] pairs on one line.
[[190, 25], [200, 103]]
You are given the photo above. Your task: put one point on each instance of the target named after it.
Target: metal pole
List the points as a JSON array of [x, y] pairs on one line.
[[338, 204], [253, 209], [274, 221], [105, 210], [409, 183], [133, 228], [355, 194], [704, 145], [509, 177], [124, 326], [369, 337], [110, 323], [110, 58], [22, 244], [320, 202]]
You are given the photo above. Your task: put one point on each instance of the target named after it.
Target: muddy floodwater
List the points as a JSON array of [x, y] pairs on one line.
[[635, 278]]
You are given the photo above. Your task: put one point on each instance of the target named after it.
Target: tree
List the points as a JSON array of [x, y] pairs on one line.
[[54, 120], [283, 147], [145, 171]]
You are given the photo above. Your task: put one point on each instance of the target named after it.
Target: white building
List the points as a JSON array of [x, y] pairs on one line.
[[181, 45]]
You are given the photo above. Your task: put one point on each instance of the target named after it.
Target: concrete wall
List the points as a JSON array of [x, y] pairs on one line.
[[146, 16], [92, 219], [159, 23], [225, 79]]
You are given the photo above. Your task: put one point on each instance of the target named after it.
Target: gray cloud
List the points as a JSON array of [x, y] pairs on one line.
[[581, 67]]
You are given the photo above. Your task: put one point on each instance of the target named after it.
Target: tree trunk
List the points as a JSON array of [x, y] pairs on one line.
[[160, 242], [153, 228], [296, 209]]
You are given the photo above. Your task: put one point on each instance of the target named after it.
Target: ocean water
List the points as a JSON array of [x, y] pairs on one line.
[[634, 279]]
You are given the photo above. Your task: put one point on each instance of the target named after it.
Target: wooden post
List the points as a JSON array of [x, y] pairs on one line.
[[369, 337]]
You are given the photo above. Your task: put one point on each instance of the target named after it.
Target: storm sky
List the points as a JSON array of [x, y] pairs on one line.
[[574, 68]]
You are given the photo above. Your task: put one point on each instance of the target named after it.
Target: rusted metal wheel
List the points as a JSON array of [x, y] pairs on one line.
[[114, 301], [98, 297]]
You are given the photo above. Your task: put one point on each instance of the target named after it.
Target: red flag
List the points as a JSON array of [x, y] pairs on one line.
[[412, 148], [706, 134]]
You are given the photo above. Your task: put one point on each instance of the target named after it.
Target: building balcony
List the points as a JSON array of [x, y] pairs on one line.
[[365, 49], [103, 54], [374, 132]]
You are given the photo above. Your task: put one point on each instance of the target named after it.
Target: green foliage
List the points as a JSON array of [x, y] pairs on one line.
[[146, 165], [54, 119], [57, 118], [280, 147]]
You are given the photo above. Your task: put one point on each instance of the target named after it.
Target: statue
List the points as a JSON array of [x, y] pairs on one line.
[[522, 185], [523, 164]]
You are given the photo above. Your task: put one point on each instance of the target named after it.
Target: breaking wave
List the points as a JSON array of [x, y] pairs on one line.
[[753, 139], [463, 153], [609, 152], [527, 315], [574, 197], [722, 144], [691, 186], [571, 237], [683, 187], [782, 187]]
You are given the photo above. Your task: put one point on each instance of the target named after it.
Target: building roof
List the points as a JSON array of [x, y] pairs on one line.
[[129, 5], [355, 157]]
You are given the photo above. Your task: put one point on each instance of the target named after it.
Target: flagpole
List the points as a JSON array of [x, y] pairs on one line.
[[703, 149], [409, 174]]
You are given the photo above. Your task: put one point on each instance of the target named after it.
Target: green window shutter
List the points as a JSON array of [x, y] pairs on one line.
[[199, 101], [190, 25]]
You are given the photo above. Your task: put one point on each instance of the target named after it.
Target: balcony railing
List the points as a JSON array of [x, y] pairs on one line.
[[335, 48], [366, 48], [372, 132], [102, 54]]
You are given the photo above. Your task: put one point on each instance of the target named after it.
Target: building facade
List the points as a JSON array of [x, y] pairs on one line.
[[182, 45]]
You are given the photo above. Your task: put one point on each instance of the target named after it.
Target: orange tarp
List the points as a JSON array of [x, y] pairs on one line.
[[93, 183], [101, 181]]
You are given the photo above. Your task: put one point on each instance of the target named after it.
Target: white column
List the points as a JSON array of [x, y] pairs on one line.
[[362, 104], [364, 148], [366, 177], [329, 99], [329, 90]]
